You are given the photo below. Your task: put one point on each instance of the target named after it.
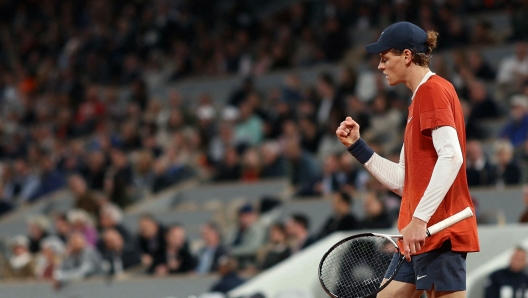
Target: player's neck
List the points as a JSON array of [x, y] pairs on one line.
[[416, 75]]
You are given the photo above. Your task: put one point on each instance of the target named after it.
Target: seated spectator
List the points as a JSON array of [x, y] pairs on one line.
[[81, 222], [303, 168], [311, 135], [248, 236], [37, 226], [110, 217], [524, 215], [329, 181], [177, 257], [376, 215], [49, 258], [480, 68], [119, 179], [350, 173], [516, 130], [511, 281], [342, 219], [276, 250], [273, 163], [229, 278], [85, 199], [62, 227], [51, 178], [229, 168], [20, 265], [479, 170], [508, 170], [297, 227], [120, 254], [95, 170], [80, 261], [213, 249], [249, 129], [482, 105], [513, 70], [151, 239], [24, 184], [250, 166]]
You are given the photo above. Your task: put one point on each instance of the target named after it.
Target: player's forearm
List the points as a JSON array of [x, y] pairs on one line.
[[450, 159], [390, 174]]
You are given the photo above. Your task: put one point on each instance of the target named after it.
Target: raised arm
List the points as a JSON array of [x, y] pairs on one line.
[[389, 173]]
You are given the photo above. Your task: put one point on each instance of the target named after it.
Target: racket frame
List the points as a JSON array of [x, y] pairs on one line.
[[401, 259]]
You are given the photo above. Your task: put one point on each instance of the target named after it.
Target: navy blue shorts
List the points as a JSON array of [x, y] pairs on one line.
[[443, 268]]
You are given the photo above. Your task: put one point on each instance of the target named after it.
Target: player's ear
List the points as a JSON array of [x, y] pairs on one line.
[[407, 56]]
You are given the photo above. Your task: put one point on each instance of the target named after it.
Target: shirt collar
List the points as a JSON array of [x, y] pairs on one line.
[[425, 78]]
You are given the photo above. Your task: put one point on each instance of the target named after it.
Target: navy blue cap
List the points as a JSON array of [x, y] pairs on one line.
[[247, 208], [400, 36]]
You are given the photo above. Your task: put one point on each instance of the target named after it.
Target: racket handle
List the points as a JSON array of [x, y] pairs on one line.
[[439, 226]]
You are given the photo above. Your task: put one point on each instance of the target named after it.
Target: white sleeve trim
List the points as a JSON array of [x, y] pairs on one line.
[[389, 173], [450, 159]]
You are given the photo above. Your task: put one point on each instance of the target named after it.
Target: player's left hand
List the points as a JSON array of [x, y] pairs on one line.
[[413, 237]]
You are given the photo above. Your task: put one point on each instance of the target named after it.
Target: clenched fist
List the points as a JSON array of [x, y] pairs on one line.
[[348, 132]]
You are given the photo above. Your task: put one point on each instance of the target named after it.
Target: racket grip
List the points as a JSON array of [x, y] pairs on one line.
[[439, 226]]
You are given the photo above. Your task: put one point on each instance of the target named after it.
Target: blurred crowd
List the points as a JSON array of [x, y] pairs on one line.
[[77, 114], [75, 245]]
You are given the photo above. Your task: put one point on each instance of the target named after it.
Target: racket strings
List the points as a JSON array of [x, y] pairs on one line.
[[356, 268]]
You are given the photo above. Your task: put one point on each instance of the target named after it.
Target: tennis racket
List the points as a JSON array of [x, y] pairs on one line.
[[356, 266]]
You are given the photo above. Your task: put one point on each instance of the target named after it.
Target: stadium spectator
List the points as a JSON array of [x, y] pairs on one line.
[[51, 179], [229, 168], [212, 250], [342, 218], [151, 239], [118, 253], [80, 261], [20, 265], [297, 227], [229, 278], [62, 226], [273, 163], [23, 185], [376, 215], [385, 122], [511, 281], [81, 222], [276, 250], [119, 179], [482, 34], [248, 236], [49, 258], [111, 217], [516, 130], [480, 171], [310, 134], [350, 173], [176, 256], [331, 104], [84, 197], [513, 70], [251, 165], [482, 105], [249, 129], [94, 173], [38, 229], [303, 168], [329, 181], [508, 170], [479, 67]]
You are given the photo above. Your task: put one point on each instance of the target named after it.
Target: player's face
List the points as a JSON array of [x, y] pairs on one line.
[[393, 67]]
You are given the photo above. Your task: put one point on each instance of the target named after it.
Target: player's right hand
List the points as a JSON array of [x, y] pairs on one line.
[[348, 132]]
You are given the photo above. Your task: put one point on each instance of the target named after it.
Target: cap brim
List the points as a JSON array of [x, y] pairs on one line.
[[376, 48]]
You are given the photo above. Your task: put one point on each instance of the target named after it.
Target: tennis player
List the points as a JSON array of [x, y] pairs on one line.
[[430, 175]]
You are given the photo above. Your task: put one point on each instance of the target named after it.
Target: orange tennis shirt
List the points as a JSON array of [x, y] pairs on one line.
[[436, 104]]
